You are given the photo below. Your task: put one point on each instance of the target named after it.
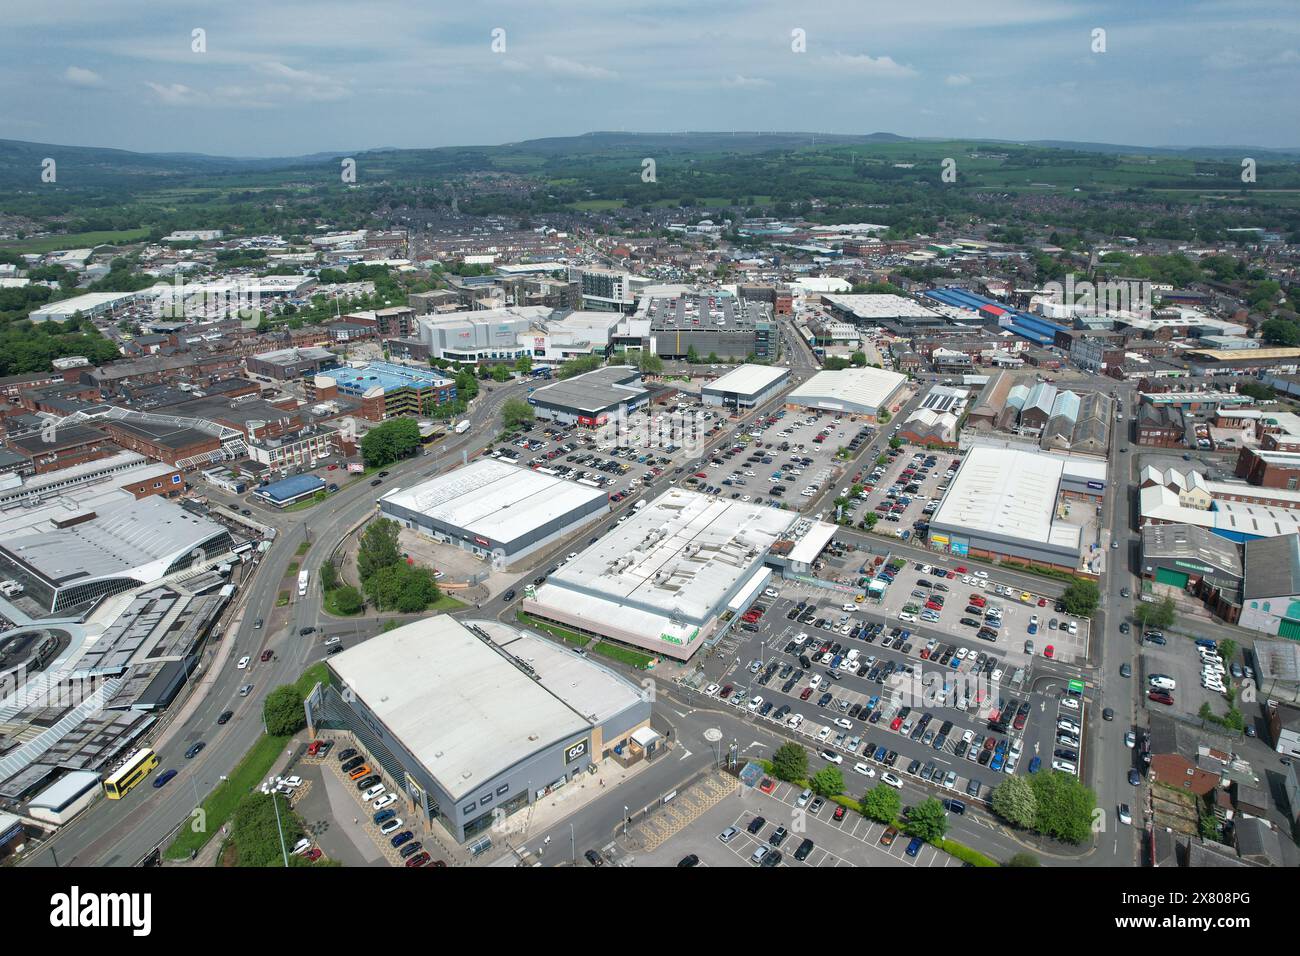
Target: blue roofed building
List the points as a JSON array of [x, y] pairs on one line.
[[387, 389], [290, 490]]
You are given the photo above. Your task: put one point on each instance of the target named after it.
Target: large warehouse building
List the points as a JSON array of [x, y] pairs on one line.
[[661, 580], [593, 398], [471, 720], [89, 556], [854, 391], [491, 507], [1002, 504], [745, 387]]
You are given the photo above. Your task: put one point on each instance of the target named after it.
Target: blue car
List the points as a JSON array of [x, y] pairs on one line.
[[402, 838], [162, 778], [996, 763], [383, 815], [955, 663], [880, 753], [1035, 764], [914, 847]]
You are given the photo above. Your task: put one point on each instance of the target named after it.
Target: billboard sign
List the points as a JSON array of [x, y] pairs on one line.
[[576, 751]]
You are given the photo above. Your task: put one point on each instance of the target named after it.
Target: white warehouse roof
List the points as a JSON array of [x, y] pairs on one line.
[[1010, 494], [748, 379], [860, 389], [493, 499], [463, 709], [668, 569]]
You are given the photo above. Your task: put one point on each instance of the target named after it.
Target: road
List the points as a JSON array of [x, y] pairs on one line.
[[122, 832]]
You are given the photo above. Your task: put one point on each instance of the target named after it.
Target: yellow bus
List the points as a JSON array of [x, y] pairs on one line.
[[135, 768]]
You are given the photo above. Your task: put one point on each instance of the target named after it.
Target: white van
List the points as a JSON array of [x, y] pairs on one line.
[[1161, 682], [815, 681]]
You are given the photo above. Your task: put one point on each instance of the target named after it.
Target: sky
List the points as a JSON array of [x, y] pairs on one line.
[[292, 77]]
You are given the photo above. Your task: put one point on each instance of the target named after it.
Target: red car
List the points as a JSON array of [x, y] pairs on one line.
[[420, 859], [807, 692], [839, 813], [1042, 602], [319, 748], [1048, 651], [896, 723], [768, 785], [266, 656], [1160, 697], [726, 692], [960, 569], [312, 855]]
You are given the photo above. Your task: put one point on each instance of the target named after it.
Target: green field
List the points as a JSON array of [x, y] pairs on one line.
[[78, 240]]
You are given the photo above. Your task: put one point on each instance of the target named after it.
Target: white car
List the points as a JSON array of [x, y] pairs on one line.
[[389, 826], [711, 690], [794, 720], [1124, 815], [962, 652], [981, 574], [996, 675], [243, 662], [1070, 703], [292, 781], [823, 734], [374, 792], [1064, 766], [1130, 739], [756, 703], [831, 756], [844, 722], [770, 592], [890, 779], [800, 638], [1074, 628], [386, 800], [864, 770]]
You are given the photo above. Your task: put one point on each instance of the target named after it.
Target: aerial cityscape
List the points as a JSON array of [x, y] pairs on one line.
[[617, 438]]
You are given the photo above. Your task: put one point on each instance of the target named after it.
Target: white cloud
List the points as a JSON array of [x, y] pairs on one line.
[[174, 94], [575, 70], [745, 82], [79, 76], [957, 79], [885, 67]]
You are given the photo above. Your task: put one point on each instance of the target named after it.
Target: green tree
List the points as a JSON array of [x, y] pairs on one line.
[[894, 442], [1081, 598], [1063, 806], [1280, 332], [282, 711], [928, 820], [1014, 801], [881, 803], [524, 364], [377, 548], [828, 782], [347, 600], [692, 356], [649, 363], [501, 373], [790, 762], [859, 359], [883, 417], [390, 441], [1157, 614], [515, 411]]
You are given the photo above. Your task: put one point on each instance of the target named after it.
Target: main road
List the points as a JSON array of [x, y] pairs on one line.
[[123, 832]]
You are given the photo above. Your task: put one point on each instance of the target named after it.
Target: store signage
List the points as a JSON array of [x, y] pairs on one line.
[[1097, 485], [575, 751]]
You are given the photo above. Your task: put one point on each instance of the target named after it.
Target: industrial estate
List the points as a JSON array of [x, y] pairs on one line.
[[789, 505]]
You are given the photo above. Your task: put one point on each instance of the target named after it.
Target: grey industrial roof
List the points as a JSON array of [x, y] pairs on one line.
[[1272, 567], [141, 538], [594, 391], [466, 710], [1190, 542], [493, 499]]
